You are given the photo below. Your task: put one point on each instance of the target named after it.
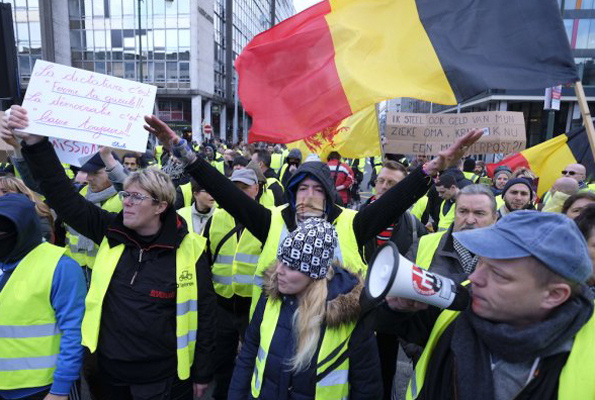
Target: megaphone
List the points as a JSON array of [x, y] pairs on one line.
[[391, 274]]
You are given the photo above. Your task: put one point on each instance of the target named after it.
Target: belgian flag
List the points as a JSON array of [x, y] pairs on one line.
[[339, 56], [549, 158]]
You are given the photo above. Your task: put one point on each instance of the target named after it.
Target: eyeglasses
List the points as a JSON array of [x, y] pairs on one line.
[[136, 198], [571, 173]]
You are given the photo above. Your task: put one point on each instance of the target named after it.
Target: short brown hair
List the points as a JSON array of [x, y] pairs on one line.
[[394, 166]]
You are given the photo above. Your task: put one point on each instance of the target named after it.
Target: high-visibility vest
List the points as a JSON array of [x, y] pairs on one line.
[[29, 333], [335, 385], [67, 169], [346, 252], [113, 204], [361, 164], [158, 154], [276, 161], [233, 268], [471, 176], [428, 244], [267, 198], [187, 193], [419, 207], [186, 214], [283, 169], [220, 165], [576, 379], [446, 220], [499, 201], [187, 255]]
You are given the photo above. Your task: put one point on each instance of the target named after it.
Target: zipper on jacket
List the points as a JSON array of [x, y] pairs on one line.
[[140, 260]]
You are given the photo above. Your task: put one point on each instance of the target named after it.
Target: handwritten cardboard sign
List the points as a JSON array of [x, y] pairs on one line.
[[83, 106], [73, 152], [504, 132]]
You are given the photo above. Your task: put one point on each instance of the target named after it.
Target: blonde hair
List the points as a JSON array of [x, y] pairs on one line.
[[156, 182], [15, 185], [523, 172], [307, 320]]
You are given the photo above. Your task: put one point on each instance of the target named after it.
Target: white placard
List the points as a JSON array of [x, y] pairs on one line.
[[83, 106], [73, 152]]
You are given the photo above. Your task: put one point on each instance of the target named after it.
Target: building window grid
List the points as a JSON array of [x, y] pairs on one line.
[[165, 57]]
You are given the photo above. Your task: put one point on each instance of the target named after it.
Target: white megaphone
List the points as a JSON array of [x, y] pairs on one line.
[[391, 274]]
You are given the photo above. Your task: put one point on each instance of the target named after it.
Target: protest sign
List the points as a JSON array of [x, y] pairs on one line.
[[83, 106], [504, 132], [73, 152]]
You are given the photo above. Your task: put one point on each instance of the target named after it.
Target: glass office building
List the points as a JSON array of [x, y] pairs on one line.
[[181, 46]]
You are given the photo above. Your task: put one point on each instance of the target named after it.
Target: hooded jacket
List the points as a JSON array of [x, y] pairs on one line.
[[278, 382], [257, 218], [67, 294], [137, 341]]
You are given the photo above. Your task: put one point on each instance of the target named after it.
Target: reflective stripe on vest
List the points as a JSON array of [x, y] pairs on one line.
[[187, 255], [29, 333], [187, 193], [428, 244], [576, 379], [335, 384], [446, 220], [84, 258], [233, 269], [346, 252]]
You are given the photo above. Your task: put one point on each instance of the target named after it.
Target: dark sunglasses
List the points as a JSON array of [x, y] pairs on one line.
[[571, 173]]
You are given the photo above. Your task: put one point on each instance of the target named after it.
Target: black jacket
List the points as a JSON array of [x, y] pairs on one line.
[[137, 341], [257, 218], [405, 232]]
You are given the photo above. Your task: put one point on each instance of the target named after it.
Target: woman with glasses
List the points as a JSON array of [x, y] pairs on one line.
[[150, 311]]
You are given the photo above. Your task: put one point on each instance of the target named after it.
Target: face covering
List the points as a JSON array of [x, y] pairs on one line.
[[8, 237]]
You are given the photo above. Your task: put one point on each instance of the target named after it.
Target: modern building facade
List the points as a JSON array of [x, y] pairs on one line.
[[184, 47]]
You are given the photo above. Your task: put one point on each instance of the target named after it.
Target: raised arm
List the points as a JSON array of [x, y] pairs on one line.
[[255, 217], [374, 218], [74, 209]]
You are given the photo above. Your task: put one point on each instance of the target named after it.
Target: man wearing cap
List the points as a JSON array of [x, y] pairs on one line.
[[100, 192], [234, 253], [517, 195], [529, 331], [42, 302]]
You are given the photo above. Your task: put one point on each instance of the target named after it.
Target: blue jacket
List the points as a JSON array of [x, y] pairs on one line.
[[281, 384], [67, 295]]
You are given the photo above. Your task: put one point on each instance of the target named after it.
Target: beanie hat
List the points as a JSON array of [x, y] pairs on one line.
[[310, 248], [468, 165], [516, 181], [502, 171]]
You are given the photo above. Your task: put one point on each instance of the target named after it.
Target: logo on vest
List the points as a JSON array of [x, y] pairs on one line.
[[424, 283], [183, 278]]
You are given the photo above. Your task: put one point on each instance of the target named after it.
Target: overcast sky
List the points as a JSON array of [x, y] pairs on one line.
[[301, 5]]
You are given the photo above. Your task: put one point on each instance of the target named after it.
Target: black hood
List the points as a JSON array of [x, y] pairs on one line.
[[320, 172], [21, 211]]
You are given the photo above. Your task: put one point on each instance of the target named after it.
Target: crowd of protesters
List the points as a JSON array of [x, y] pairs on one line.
[[242, 267]]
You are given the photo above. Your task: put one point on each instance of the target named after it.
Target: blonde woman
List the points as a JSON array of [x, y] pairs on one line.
[[303, 341], [9, 184]]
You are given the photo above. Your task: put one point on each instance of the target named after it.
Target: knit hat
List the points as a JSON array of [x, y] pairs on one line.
[[310, 248], [516, 181]]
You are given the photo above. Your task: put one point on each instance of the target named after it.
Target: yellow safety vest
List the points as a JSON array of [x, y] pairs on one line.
[[187, 194], [113, 204], [158, 154], [428, 244], [419, 207], [29, 333], [361, 165], [276, 161], [233, 268], [347, 252], [220, 165], [576, 379], [186, 214], [335, 385], [446, 220], [283, 169], [267, 198], [67, 169], [187, 255], [499, 201]]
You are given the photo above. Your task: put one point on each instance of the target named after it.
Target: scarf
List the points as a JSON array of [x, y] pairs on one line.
[[468, 260], [475, 339], [84, 244]]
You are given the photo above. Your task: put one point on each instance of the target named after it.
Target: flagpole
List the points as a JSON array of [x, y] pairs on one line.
[[587, 120], [380, 134]]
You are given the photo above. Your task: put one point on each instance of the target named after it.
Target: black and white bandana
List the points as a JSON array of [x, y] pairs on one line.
[[310, 248]]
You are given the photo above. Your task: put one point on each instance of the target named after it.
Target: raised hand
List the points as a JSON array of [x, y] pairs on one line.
[[451, 156], [157, 127], [17, 119]]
